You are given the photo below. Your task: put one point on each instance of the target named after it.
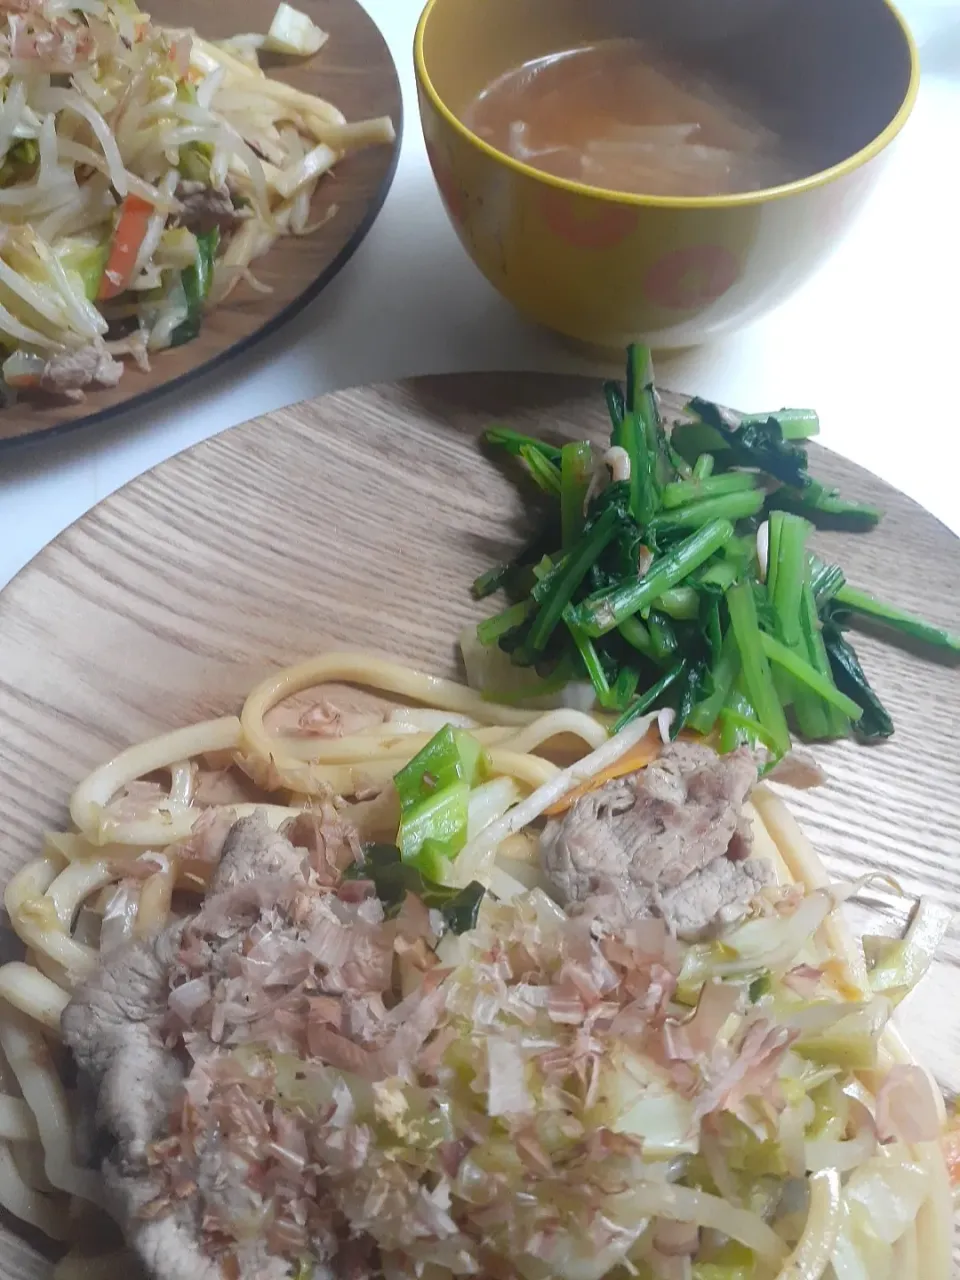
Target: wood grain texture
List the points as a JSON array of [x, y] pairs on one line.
[[354, 70], [359, 520]]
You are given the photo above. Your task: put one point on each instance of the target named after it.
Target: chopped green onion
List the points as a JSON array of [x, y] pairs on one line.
[[725, 671], [591, 661], [703, 467], [637, 635], [662, 635]]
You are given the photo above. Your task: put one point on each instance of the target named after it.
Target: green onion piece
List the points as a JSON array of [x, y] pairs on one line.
[[438, 821], [514, 441], [576, 471], [576, 566], [825, 580], [647, 701], [604, 611], [703, 467], [731, 506], [805, 673], [756, 666], [451, 756], [682, 492], [545, 474], [865, 605], [491, 629]]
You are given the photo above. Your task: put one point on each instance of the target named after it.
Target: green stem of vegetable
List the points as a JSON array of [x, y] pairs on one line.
[[817, 720], [576, 566], [606, 610], [439, 821], [622, 690], [725, 671], [796, 424], [739, 726], [681, 603], [756, 666], [865, 605], [576, 470], [637, 635], [787, 572], [648, 700], [514, 441], [825, 581], [642, 401], [662, 635], [591, 661], [703, 467], [721, 574], [616, 406], [545, 474], [643, 497], [682, 492], [826, 508], [805, 673], [732, 506], [196, 281], [491, 629]]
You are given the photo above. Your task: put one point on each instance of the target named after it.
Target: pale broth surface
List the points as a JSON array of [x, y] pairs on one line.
[[618, 115]]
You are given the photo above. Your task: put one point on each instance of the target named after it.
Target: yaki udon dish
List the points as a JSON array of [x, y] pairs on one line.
[[381, 978]]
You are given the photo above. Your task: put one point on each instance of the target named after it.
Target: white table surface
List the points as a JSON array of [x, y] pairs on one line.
[[873, 342]]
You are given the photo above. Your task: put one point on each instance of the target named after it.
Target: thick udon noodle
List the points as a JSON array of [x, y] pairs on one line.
[[41, 1181]]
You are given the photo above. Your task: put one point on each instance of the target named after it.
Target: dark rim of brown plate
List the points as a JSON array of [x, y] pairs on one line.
[[313, 290]]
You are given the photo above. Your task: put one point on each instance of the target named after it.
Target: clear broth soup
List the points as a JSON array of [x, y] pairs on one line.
[[619, 115]]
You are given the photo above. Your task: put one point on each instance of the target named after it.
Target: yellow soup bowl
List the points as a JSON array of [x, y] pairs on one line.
[[607, 268]]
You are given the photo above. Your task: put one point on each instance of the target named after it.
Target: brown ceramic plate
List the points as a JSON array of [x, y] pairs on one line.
[[359, 520], [355, 71]]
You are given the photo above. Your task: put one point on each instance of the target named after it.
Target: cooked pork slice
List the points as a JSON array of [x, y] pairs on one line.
[[70, 372], [717, 894], [205, 208], [650, 839], [253, 850], [116, 1026]]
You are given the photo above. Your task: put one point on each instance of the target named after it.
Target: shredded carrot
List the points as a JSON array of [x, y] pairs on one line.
[[131, 229], [638, 757]]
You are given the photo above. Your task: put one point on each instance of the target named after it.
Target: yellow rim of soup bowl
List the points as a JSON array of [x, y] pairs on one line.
[[819, 179]]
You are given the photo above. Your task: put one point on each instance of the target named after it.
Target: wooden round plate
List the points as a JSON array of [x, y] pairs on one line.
[[355, 71], [359, 520]]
